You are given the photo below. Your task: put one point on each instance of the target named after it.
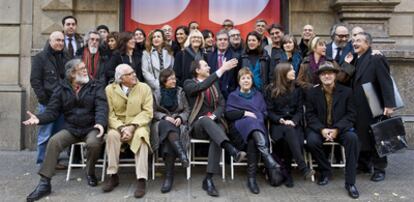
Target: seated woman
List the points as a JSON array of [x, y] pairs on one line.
[[285, 107], [168, 132], [246, 110]]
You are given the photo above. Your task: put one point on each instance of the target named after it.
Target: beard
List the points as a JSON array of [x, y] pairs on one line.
[[79, 79], [93, 50]]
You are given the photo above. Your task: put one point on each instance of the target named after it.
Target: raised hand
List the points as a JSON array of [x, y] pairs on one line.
[[33, 120]]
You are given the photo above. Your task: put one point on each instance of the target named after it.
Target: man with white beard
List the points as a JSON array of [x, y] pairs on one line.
[[83, 103], [93, 56]]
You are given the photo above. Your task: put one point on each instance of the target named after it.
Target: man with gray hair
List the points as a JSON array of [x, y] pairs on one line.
[[236, 42], [94, 56], [339, 48], [130, 113], [83, 103]]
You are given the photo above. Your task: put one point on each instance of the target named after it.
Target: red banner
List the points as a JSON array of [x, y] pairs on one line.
[[152, 14]]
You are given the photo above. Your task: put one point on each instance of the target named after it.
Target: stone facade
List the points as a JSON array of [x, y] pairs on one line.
[[25, 26]]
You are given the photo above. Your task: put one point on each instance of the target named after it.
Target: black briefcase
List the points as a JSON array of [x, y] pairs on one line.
[[389, 136]]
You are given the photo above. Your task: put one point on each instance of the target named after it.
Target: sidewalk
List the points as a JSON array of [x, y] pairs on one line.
[[18, 178]]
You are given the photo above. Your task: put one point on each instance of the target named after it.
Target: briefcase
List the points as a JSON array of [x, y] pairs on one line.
[[389, 136]]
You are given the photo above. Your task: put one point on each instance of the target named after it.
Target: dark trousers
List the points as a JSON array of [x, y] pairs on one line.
[[369, 159], [293, 138], [63, 139], [205, 128], [349, 140], [165, 128]]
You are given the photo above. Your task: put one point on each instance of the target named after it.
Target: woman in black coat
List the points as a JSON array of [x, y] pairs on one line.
[[194, 50], [126, 54], [257, 60], [181, 35], [285, 111], [168, 130]]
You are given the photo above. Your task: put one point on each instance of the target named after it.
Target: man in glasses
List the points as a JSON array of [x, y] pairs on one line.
[[228, 25], [130, 113], [236, 42], [339, 47]]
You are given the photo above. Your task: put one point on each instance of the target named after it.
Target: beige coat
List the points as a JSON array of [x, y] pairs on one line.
[[135, 109]]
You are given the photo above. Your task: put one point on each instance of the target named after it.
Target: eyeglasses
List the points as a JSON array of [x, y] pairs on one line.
[[227, 25], [274, 33], [82, 68], [342, 35], [94, 39], [234, 35]]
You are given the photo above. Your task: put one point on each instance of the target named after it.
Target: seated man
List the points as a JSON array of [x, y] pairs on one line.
[[331, 117], [207, 104], [83, 105], [130, 112]]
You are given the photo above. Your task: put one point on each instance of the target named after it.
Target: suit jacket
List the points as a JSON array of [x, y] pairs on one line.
[[374, 69], [228, 82], [343, 109], [347, 49], [79, 45], [136, 109]]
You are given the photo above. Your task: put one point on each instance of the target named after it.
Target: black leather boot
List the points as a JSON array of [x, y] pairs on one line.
[[182, 154], [264, 150], [251, 178], [169, 174], [43, 189]]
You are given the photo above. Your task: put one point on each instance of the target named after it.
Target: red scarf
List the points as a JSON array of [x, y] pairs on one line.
[[87, 58]]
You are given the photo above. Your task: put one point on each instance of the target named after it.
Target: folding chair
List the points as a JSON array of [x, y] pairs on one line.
[[194, 160]]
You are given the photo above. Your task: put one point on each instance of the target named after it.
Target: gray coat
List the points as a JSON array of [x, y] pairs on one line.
[[182, 110], [151, 66]]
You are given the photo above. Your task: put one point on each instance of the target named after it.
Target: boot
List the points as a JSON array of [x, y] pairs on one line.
[[43, 189], [169, 174], [251, 178], [235, 153], [110, 183], [182, 154], [260, 140]]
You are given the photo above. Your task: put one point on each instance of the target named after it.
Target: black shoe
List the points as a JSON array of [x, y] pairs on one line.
[[378, 176], [308, 174], [169, 174], [167, 184], [323, 180], [209, 187], [42, 189], [240, 156], [352, 191], [252, 184], [289, 181], [92, 181]]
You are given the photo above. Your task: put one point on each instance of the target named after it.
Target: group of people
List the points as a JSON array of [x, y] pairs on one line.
[[154, 94]]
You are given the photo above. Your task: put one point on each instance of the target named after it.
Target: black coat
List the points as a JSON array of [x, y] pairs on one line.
[[118, 58], [46, 73], [374, 69], [182, 65], [228, 82], [343, 109], [264, 67], [81, 112]]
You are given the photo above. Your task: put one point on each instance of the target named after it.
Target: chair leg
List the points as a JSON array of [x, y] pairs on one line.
[[103, 166], [153, 166], [231, 168], [190, 155], [70, 162], [223, 168]]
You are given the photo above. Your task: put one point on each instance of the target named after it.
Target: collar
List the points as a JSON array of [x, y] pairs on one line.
[[334, 46], [124, 88]]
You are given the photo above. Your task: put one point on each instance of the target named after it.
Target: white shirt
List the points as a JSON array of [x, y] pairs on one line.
[[125, 89], [334, 50], [73, 43]]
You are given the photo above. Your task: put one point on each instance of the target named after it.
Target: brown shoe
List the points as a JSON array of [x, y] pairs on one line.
[[140, 191], [110, 183]]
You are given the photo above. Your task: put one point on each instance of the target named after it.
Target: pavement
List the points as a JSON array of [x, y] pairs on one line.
[[18, 178]]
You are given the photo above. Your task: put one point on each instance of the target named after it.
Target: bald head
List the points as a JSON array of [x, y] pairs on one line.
[[56, 40]]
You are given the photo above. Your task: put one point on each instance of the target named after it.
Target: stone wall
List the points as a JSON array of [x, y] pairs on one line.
[[25, 26]]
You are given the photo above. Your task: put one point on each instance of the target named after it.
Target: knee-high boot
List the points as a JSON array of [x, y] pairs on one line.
[[169, 174], [252, 157], [179, 149]]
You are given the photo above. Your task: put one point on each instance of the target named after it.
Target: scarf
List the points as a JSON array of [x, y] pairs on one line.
[[168, 98], [91, 62], [248, 95], [257, 79], [295, 60], [313, 66]]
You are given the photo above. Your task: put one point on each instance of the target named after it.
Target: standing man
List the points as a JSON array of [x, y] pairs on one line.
[[216, 59], [168, 32], [331, 118], [236, 42], [83, 103], [307, 34], [130, 112], [374, 69], [339, 47], [73, 41], [94, 56], [261, 27], [274, 50], [47, 70], [227, 25]]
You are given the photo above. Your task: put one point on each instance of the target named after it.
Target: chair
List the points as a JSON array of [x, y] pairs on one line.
[[101, 163], [331, 155], [156, 161], [194, 160]]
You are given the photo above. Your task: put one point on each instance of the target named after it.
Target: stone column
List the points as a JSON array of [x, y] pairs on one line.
[[372, 15]]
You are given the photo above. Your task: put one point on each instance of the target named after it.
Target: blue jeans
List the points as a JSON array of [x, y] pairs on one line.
[[45, 132]]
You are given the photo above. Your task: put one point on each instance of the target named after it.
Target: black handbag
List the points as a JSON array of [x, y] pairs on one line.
[[389, 136]]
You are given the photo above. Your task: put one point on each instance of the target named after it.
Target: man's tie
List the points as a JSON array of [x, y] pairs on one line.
[[220, 60], [338, 54], [70, 48]]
